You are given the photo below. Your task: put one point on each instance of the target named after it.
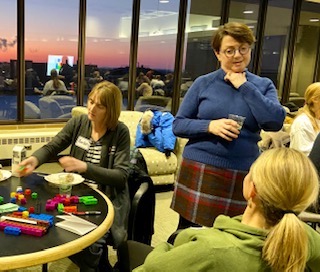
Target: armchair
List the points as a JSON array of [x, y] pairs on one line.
[[56, 106], [161, 169], [154, 102]]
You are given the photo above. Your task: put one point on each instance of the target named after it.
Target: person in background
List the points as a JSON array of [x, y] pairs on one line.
[[96, 78], [306, 124], [66, 73], [218, 154], [55, 85], [169, 81], [144, 89], [158, 85], [91, 137], [32, 81], [269, 236]]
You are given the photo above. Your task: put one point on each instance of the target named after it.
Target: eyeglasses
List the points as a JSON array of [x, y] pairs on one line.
[[230, 52]]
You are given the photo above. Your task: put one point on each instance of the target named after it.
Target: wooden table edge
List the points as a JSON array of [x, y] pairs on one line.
[[62, 251]]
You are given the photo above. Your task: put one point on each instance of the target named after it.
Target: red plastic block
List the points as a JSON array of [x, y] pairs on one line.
[[27, 192]]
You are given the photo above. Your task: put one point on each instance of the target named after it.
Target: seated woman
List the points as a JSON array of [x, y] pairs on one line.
[[55, 85], [269, 236], [91, 138], [306, 125]]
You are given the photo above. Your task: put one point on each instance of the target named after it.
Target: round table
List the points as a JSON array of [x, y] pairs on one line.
[[25, 250]]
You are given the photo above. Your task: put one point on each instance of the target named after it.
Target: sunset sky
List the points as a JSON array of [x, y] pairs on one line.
[[51, 27]]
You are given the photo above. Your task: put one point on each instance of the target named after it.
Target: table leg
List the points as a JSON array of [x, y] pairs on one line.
[[45, 267]]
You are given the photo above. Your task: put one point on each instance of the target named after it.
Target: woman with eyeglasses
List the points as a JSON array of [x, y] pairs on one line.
[[221, 150]]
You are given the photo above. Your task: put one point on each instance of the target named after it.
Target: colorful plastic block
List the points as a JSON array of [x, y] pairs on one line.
[[50, 206], [90, 201], [25, 214], [43, 216], [27, 192], [23, 201], [19, 189], [21, 209], [13, 200], [12, 230], [66, 202], [82, 198], [8, 207], [34, 195], [1, 199], [20, 196], [31, 210], [17, 213], [60, 208], [25, 228], [74, 199], [70, 209]]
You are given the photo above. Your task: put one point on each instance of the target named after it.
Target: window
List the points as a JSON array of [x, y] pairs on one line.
[[199, 59], [8, 57], [108, 33], [158, 29], [275, 42], [306, 51], [51, 51]]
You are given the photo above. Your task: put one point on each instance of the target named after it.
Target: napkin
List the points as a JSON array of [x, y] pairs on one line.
[[75, 224]]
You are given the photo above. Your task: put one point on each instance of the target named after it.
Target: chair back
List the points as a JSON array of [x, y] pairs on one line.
[[31, 111], [152, 102], [142, 195], [49, 108]]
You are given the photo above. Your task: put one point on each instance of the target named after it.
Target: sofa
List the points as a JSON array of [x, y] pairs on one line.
[[56, 106], [161, 169]]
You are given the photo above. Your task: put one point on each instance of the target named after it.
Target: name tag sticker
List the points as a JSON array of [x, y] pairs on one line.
[[83, 143]]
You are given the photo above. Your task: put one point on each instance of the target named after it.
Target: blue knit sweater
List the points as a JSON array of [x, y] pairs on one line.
[[210, 97]]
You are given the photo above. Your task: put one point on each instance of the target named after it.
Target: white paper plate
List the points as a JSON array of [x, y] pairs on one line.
[[55, 178], [5, 174]]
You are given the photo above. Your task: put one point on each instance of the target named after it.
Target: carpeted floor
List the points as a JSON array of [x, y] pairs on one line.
[[166, 221]]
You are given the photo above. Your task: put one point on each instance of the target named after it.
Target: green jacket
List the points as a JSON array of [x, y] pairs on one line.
[[228, 246]]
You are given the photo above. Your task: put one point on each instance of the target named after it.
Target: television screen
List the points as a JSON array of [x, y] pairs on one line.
[[56, 62]]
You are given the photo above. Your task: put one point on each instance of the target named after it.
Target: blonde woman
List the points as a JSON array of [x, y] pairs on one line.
[[306, 125], [269, 236]]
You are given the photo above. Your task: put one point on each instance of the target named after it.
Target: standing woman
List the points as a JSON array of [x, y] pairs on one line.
[[91, 138], [306, 124], [218, 155]]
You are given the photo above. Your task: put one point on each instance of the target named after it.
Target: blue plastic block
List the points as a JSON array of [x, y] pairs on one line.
[[12, 231], [43, 216], [22, 209]]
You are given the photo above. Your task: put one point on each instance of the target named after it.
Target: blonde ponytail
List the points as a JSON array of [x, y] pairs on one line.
[[286, 246], [286, 183]]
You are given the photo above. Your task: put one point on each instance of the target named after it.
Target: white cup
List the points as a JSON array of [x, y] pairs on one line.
[[64, 187]]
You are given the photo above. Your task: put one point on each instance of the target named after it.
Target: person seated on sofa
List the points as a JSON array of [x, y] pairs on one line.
[[306, 125], [91, 137], [269, 236], [55, 85]]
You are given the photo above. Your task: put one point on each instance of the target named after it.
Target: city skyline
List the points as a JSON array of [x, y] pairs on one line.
[[108, 33]]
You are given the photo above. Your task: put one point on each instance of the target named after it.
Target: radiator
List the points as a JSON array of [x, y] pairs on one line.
[[31, 139]]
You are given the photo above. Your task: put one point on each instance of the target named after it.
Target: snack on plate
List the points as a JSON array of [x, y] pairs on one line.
[[69, 178]]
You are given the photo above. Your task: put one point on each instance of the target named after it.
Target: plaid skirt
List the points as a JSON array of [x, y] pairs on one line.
[[202, 192]]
